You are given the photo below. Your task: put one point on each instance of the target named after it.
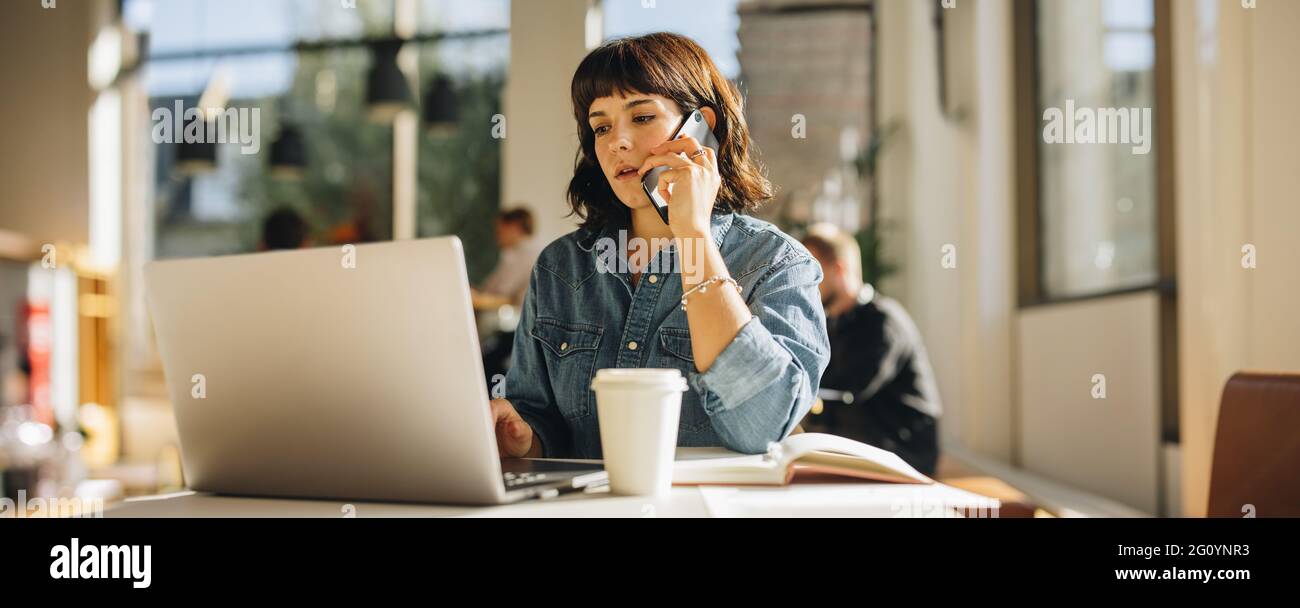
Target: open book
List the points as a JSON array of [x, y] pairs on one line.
[[805, 454]]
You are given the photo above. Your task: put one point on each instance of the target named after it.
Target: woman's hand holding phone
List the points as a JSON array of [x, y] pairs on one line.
[[694, 178]]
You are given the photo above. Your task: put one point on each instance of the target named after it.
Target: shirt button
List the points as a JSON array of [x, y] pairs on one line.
[[564, 346], [631, 345], [653, 279]]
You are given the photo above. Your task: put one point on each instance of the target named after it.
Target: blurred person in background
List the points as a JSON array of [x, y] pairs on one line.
[[506, 285], [879, 367], [284, 228], [519, 251]]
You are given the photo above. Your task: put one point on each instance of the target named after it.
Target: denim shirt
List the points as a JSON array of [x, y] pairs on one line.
[[580, 315]]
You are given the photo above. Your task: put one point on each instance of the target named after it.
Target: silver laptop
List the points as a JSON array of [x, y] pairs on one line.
[[349, 372]]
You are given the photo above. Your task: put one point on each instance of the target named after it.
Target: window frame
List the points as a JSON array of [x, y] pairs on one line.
[[1028, 127], [1029, 228]]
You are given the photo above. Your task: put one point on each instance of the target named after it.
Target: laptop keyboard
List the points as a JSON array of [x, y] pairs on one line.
[[520, 473], [514, 480]]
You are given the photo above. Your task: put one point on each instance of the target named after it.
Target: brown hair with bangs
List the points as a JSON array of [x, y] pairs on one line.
[[675, 67]]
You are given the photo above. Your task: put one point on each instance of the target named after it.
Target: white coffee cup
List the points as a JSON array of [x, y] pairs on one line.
[[638, 411]]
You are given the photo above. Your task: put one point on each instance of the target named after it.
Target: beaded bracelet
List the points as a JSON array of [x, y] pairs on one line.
[[704, 286]]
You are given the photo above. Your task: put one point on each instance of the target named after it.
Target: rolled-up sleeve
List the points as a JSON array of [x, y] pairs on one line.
[[528, 384], [764, 382]]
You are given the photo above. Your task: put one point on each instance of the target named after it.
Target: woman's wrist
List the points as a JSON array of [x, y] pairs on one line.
[[695, 256], [690, 232], [699, 240]]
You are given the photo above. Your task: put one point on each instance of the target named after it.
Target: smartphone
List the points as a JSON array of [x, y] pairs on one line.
[[693, 125]]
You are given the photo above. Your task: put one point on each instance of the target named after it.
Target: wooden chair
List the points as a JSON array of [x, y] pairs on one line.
[[1256, 463]]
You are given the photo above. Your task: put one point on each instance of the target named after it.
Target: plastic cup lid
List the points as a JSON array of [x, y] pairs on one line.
[[640, 377]]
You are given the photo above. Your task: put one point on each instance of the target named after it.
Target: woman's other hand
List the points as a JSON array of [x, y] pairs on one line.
[[515, 437]]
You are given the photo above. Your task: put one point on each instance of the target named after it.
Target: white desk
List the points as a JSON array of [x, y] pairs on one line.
[[799, 500]]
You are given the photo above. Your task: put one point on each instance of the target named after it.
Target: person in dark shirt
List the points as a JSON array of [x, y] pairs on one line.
[[284, 229], [879, 387]]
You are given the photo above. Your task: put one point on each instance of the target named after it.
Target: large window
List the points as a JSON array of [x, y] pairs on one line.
[[1097, 156], [459, 177], [305, 66], [1095, 214]]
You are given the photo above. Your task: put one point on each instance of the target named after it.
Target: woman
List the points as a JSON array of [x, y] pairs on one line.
[[750, 335]]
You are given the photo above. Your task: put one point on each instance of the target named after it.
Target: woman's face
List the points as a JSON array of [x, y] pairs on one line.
[[626, 127]]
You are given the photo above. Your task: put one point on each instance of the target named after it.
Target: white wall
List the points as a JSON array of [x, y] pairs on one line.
[[547, 41], [1238, 172], [1105, 443], [44, 172], [949, 181]]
